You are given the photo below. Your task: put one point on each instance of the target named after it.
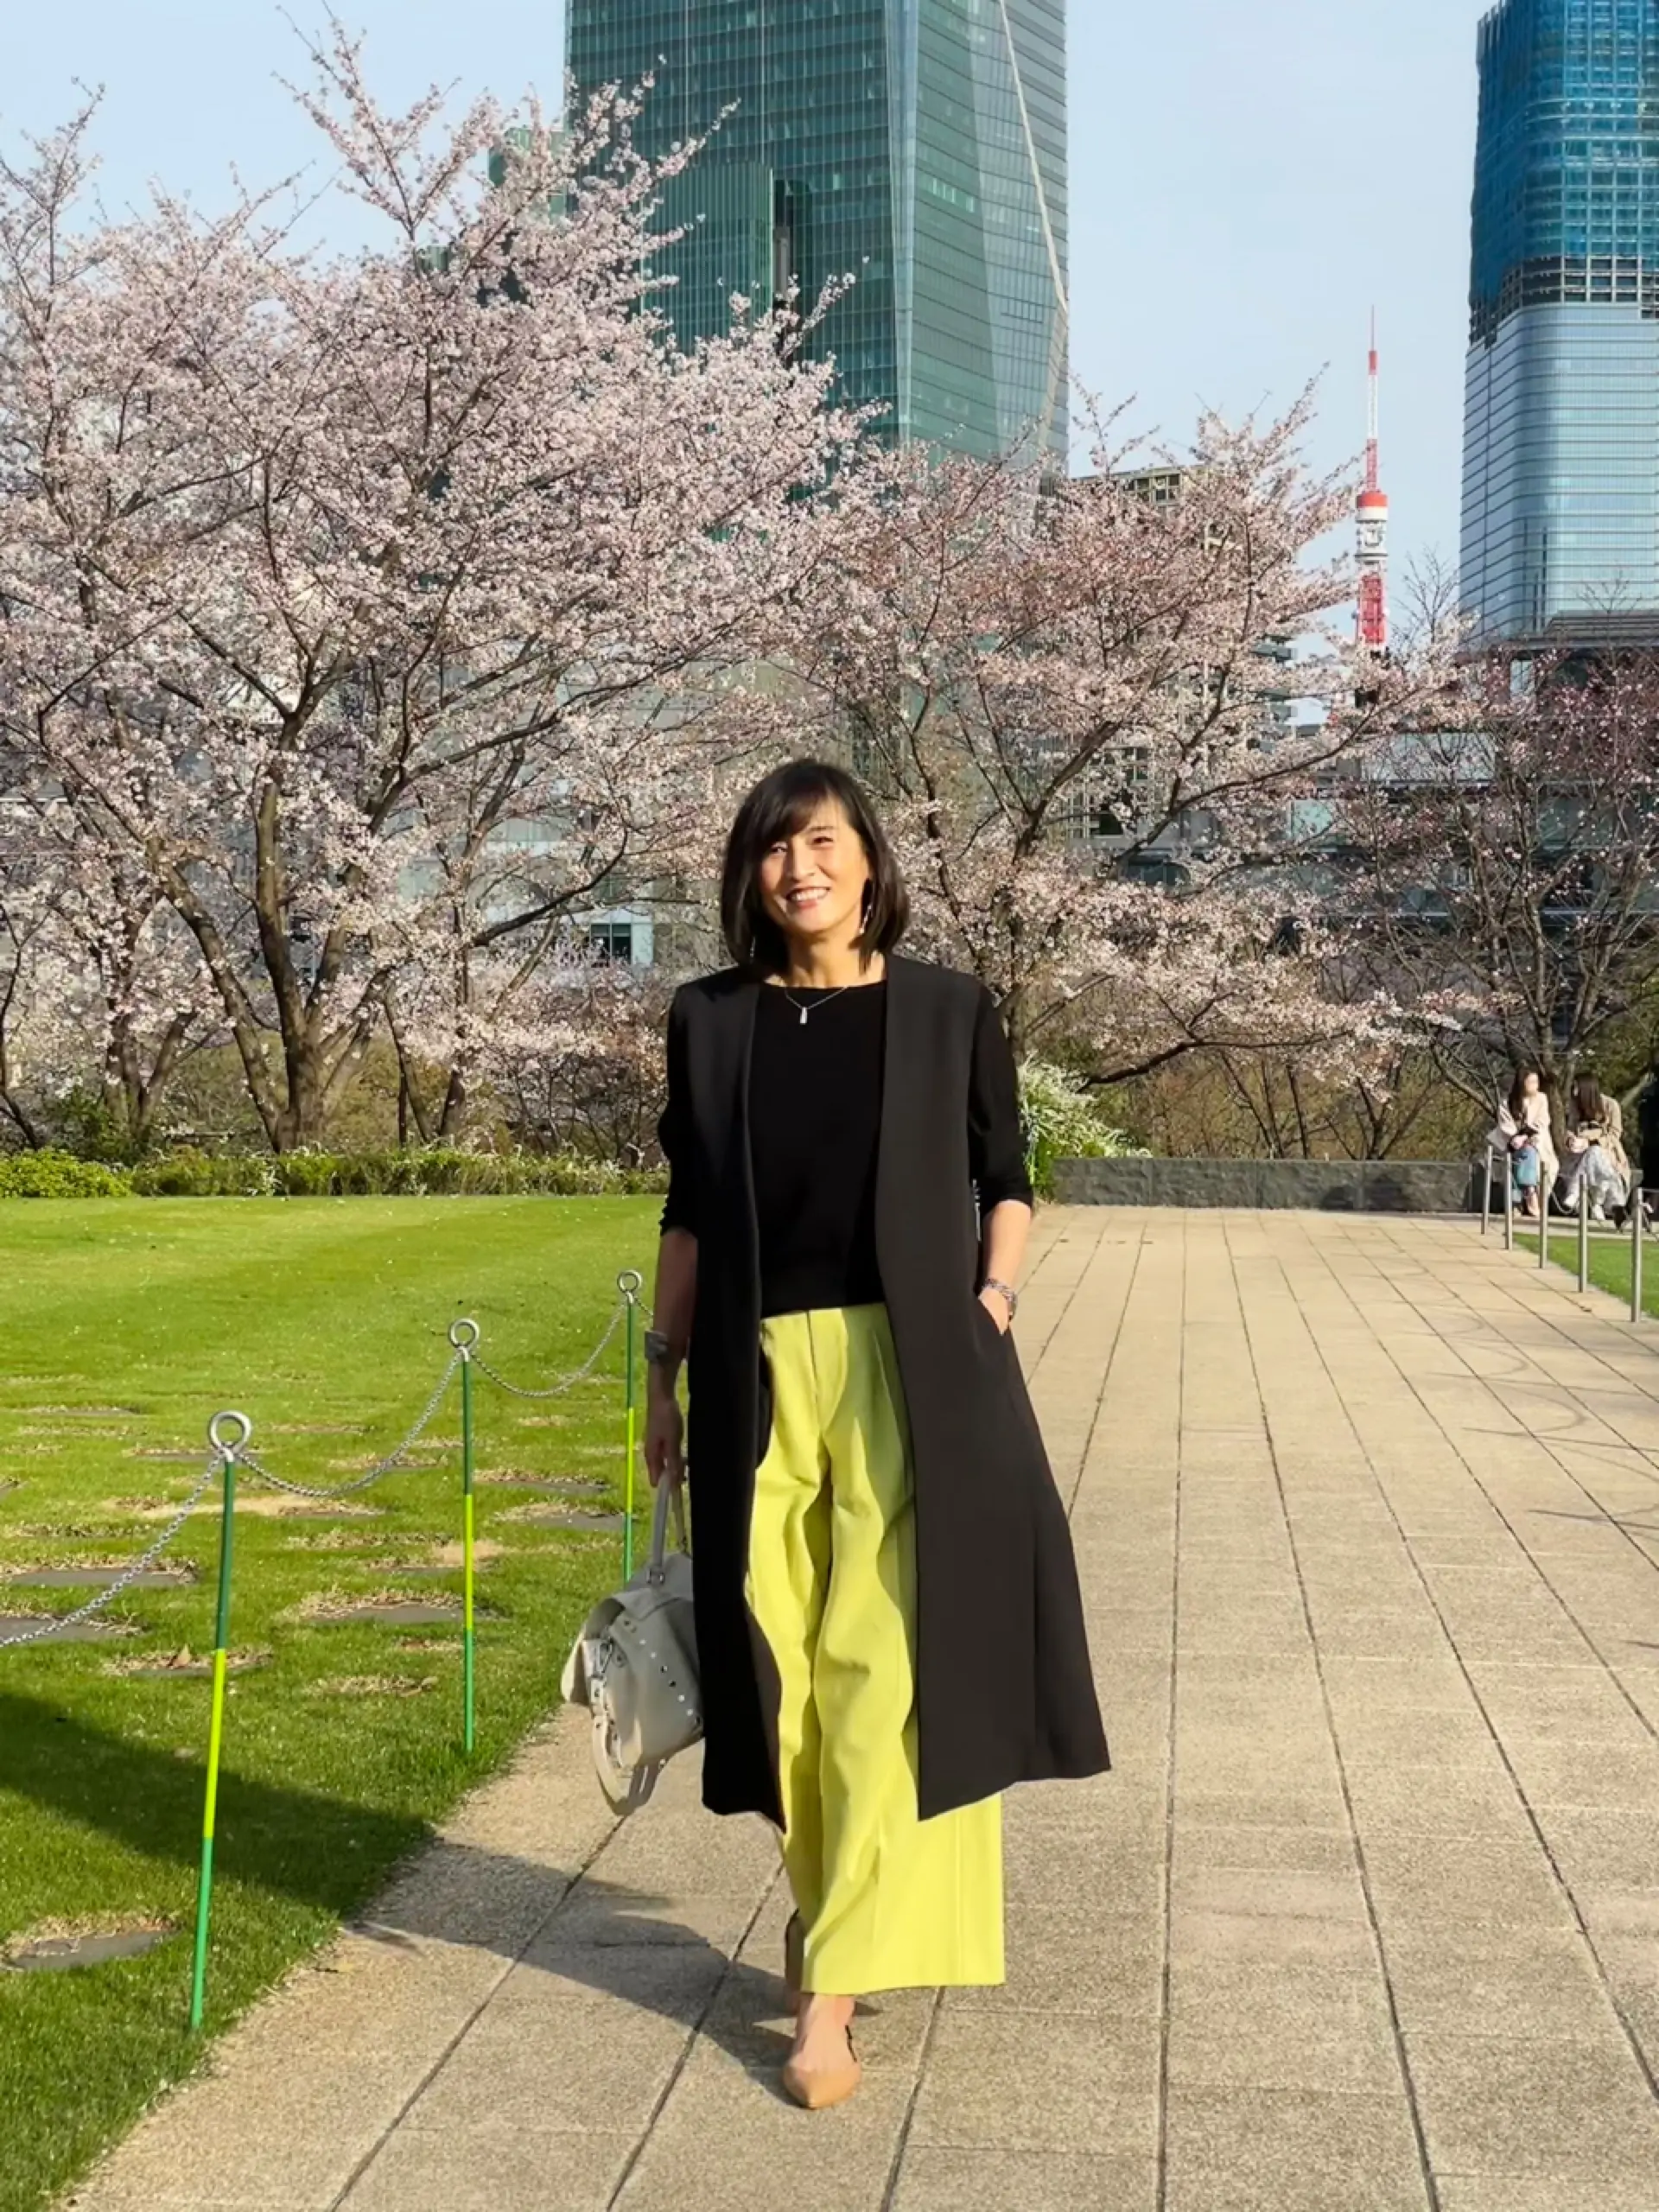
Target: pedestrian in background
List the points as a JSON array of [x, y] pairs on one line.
[[1595, 1151], [1524, 1127]]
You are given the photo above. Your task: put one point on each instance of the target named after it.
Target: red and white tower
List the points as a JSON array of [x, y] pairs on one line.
[[1373, 539]]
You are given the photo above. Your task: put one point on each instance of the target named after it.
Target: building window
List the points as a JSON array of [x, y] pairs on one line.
[[611, 940]]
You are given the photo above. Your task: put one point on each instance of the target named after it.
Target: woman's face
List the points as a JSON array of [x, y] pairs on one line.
[[1529, 1084], [813, 882]]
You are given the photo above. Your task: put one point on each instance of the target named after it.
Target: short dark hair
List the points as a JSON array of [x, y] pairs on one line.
[[780, 805]]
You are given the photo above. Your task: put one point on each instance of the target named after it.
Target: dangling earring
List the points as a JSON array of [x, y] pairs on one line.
[[867, 901]]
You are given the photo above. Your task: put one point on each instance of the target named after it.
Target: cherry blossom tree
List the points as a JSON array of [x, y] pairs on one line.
[[361, 613], [1077, 701], [1504, 868], [576, 1064]]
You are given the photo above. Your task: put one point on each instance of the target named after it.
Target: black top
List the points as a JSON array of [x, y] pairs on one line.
[[815, 1119]]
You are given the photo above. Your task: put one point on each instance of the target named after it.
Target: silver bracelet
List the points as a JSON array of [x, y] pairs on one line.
[[1009, 1296]]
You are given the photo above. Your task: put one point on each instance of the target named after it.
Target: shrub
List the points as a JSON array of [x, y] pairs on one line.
[[59, 1175], [1062, 1122], [206, 1175], [438, 1172]]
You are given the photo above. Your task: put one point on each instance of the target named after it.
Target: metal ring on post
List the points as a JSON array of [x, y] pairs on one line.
[[631, 1283], [223, 1445], [464, 1335]]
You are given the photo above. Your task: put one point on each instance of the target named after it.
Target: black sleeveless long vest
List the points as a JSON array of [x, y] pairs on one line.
[[1004, 1689]]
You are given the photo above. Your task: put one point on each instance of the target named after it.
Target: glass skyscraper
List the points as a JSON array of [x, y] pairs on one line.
[[1561, 489], [918, 146]]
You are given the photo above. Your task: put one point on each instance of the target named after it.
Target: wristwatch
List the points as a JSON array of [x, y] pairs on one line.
[[1009, 1296], [658, 1351]]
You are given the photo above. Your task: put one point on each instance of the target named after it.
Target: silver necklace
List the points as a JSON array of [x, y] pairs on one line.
[[807, 1011]]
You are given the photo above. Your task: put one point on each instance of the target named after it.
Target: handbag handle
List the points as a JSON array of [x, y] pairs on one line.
[[668, 1494]]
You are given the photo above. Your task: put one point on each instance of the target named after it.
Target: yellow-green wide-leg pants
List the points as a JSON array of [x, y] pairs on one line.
[[888, 1901]]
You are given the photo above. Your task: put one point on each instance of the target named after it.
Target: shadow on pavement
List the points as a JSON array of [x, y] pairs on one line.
[[564, 1923]]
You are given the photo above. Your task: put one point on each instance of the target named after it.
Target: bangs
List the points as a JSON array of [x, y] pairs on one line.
[[786, 803]]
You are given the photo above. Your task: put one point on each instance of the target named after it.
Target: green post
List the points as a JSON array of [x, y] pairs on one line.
[[630, 1282], [227, 1450], [463, 1335]]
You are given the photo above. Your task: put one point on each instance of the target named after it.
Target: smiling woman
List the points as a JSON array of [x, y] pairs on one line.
[[860, 1429]]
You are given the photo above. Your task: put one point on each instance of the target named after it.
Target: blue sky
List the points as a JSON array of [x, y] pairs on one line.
[[1246, 181]]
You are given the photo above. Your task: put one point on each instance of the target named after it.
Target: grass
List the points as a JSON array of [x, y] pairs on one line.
[[325, 1321], [1609, 1260]]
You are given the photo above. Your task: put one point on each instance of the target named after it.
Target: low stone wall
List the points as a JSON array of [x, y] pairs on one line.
[[1255, 1186]]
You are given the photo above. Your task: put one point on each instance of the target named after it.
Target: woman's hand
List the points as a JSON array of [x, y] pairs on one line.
[[664, 1439], [997, 1307]]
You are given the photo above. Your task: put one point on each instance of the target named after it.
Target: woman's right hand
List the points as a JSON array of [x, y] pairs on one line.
[[664, 1439]]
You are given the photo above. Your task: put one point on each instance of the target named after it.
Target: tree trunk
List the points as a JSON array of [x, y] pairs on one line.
[[453, 1107]]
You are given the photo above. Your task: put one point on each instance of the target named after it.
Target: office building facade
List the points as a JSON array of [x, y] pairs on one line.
[[915, 146], [1560, 499], [1560, 490]]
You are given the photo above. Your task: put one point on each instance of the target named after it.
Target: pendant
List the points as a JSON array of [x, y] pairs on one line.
[[803, 1014]]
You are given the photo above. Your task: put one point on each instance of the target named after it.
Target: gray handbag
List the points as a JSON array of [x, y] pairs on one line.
[[635, 1667]]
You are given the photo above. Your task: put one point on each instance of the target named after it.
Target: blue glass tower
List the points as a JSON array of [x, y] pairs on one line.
[[1561, 489], [918, 146]]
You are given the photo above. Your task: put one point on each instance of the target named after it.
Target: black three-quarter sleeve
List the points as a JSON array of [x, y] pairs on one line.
[[674, 1132], [996, 1148]]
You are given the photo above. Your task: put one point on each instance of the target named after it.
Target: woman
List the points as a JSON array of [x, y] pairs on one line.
[[888, 1621], [1525, 1126], [1596, 1155]]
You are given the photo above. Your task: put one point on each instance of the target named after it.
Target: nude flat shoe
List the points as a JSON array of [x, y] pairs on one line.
[[816, 2089]]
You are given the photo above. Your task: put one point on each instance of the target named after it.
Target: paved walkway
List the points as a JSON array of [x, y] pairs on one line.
[[1367, 1920]]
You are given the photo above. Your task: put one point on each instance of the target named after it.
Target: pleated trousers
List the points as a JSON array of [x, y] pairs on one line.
[[888, 1901]]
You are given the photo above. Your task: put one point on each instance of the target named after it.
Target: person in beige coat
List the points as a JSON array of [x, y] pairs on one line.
[[1595, 1151], [1525, 1123]]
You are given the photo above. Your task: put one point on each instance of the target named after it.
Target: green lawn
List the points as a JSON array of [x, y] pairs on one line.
[[1609, 1260], [325, 1321]]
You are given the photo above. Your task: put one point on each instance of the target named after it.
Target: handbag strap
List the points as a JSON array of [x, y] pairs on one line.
[[668, 1495]]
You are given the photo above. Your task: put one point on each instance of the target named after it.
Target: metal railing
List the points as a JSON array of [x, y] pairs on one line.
[[1498, 1168]]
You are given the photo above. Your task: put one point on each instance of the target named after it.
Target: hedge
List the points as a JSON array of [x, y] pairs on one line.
[[439, 1172]]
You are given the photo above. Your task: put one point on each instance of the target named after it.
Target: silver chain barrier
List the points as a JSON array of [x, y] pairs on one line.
[[59, 1621], [629, 1286], [255, 1465]]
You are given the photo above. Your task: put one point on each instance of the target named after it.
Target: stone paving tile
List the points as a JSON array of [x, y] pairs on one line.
[[1526, 2193], [422, 2169], [1302, 2027], [1496, 2104], [1024, 2181], [1526, 1983], [1387, 1500], [1257, 2150], [1013, 2082]]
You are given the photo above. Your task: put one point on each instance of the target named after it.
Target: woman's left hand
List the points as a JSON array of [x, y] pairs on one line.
[[997, 1307]]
